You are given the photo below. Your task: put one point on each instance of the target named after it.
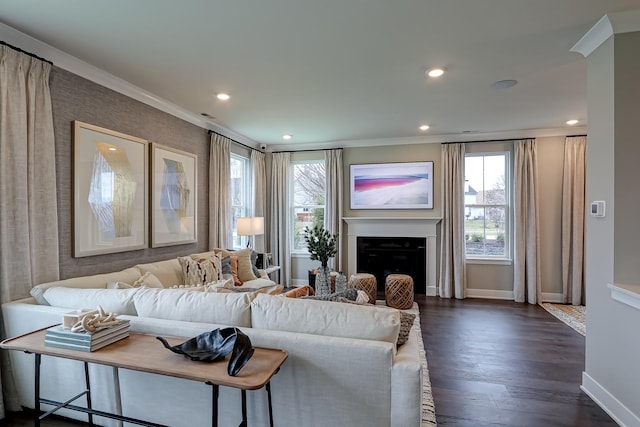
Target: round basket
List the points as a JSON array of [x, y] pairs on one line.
[[398, 291], [364, 282]]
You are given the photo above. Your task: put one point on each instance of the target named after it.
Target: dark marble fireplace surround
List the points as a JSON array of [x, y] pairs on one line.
[[382, 256], [400, 252]]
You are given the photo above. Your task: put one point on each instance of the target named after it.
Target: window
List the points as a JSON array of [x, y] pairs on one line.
[[308, 199], [487, 205], [239, 192]]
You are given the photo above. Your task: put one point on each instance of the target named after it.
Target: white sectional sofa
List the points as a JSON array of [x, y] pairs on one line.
[[343, 369]]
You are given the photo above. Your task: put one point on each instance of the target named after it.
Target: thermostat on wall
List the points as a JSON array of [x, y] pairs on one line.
[[597, 208]]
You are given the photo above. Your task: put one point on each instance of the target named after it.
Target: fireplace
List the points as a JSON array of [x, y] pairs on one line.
[[382, 256], [425, 229]]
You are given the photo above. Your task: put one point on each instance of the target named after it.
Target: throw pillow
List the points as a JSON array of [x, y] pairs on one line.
[[118, 285], [269, 290], [226, 264], [349, 294], [302, 291], [245, 262], [149, 280], [234, 270], [406, 322], [199, 272]]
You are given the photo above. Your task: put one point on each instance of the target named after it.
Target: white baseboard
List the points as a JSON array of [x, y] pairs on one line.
[[489, 294], [612, 406], [552, 297]]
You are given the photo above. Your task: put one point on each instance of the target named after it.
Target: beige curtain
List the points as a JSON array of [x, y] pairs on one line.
[[526, 263], [220, 225], [333, 203], [452, 281], [28, 206], [279, 224], [573, 212], [259, 194]]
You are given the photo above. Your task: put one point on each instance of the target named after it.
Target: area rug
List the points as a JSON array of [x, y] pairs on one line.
[[428, 408], [572, 315]]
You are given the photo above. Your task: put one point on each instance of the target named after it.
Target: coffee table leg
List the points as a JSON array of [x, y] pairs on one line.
[[268, 387], [244, 409], [86, 381], [36, 421], [214, 403]]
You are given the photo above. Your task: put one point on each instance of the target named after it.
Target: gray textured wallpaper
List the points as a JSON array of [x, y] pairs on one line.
[[75, 98]]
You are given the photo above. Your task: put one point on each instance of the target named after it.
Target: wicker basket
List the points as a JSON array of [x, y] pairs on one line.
[[365, 282], [398, 291]]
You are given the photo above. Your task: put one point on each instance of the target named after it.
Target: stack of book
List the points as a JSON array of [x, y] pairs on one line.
[[62, 337]]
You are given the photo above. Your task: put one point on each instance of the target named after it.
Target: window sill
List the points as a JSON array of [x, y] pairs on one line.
[[626, 294], [489, 261], [300, 255]]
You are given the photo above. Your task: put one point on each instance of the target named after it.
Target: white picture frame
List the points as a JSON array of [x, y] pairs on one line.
[[110, 191], [174, 196]]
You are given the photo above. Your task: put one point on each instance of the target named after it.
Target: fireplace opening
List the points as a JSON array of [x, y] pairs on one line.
[[382, 256]]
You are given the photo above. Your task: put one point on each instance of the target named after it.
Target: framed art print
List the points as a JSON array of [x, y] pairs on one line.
[[392, 186], [110, 199], [174, 189]]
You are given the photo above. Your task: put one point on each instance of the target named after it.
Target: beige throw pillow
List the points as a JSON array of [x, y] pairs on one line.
[[148, 280], [245, 266], [199, 272]]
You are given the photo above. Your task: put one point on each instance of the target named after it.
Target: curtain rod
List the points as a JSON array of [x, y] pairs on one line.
[[25, 52], [234, 141], [303, 151], [499, 140]]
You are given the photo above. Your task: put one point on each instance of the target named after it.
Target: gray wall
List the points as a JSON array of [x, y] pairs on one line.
[[612, 347], [75, 98]]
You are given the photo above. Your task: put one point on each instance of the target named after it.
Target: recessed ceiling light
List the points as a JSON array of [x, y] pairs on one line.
[[112, 149], [572, 122], [287, 137], [435, 72], [223, 96], [504, 84], [424, 127]]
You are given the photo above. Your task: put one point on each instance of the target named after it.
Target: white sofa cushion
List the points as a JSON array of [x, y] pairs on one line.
[[128, 275], [194, 306], [119, 301], [169, 272], [325, 318]]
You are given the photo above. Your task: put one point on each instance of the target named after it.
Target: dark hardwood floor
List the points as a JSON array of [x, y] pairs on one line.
[[499, 363], [492, 363]]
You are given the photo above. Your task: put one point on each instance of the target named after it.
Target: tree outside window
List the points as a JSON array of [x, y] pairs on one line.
[[308, 202]]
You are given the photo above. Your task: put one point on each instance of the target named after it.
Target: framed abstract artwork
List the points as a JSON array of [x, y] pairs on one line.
[[392, 186], [174, 190], [110, 184]]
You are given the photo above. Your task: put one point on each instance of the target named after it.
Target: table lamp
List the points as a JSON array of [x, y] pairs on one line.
[[250, 226]]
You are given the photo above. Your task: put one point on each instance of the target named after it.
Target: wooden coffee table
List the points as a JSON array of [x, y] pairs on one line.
[[256, 374]]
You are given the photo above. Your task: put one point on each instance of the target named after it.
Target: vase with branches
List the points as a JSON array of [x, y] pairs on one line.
[[321, 246]]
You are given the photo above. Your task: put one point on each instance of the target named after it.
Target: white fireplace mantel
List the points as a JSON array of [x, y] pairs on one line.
[[395, 227]]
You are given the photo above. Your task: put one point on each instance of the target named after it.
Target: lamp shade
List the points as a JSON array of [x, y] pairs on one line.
[[251, 226]]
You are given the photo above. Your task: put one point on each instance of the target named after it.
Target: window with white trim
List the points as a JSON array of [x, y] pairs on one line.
[[308, 182], [487, 205], [239, 194]]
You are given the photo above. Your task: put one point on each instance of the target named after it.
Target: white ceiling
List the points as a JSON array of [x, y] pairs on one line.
[[336, 70]]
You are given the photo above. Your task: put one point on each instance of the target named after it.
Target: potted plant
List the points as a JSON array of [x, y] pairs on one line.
[[321, 245]]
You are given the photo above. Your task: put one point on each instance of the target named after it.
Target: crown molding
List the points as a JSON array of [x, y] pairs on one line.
[[434, 139], [608, 25], [83, 69]]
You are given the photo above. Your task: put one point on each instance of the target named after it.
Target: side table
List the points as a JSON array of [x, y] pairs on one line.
[[256, 374]]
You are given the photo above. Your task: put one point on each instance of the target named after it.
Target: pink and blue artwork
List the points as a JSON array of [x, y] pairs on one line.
[[392, 186]]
